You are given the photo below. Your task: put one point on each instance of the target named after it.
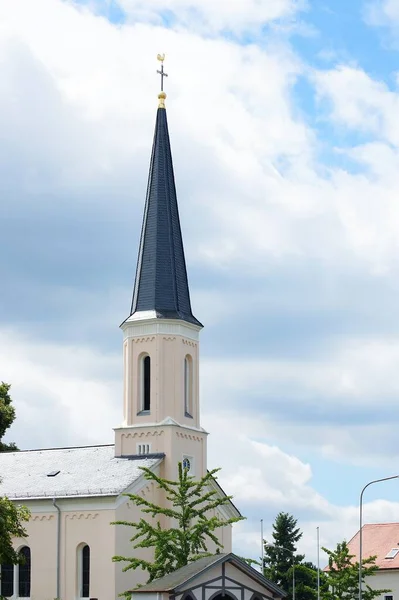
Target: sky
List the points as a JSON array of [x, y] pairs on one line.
[[283, 117]]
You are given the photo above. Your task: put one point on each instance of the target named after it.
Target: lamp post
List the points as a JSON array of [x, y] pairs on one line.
[[293, 564], [361, 525]]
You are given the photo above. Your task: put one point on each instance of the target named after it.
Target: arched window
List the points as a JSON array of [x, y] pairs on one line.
[[188, 386], [24, 570], [7, 581], [145, 378], [224, 596], [84, 571]]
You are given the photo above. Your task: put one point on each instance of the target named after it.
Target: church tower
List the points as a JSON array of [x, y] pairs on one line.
[[161, 335]]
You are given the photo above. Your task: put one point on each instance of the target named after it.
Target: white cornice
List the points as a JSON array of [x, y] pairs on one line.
[[45, 505], [168, 422], [135, 327]]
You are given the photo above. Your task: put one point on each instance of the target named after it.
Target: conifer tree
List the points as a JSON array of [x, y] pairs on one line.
[[192, 509], [7, 416], [343, 575], [280, 554]]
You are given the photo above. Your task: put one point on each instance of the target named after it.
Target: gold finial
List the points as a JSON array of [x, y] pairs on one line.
[[162, 95], [161, 98]]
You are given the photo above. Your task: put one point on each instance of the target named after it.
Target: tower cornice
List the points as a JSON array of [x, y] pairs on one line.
[[135, 327]]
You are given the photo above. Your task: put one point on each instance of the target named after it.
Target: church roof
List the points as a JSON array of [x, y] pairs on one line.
[[174, 581], [68, 472], [161, 286]]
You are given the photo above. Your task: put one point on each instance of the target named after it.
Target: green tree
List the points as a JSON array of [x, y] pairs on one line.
[[280, 554], [306, 581], [7, 416], [12, 518], [343, 575], [191, 511]]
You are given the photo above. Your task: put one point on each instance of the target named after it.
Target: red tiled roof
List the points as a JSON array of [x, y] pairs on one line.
[[378, 539]]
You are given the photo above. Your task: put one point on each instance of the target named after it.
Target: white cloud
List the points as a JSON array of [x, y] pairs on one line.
[[323, 406], [382, 12], [64, 395], [78, 98], [265, 480], [359, 102], [259, 192], [355, 372], [213, 15]]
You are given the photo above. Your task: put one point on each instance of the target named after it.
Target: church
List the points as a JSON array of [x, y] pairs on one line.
[[75, 493]]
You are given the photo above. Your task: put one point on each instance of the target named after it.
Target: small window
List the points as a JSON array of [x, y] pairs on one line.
[[53, 473], [188, 386], [24, 573], [7, 581], [392, 553], [85, 570], [388, 597], [143, 449], [145, 377]]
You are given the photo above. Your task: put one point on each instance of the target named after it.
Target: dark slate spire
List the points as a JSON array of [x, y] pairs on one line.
[[161, 283]]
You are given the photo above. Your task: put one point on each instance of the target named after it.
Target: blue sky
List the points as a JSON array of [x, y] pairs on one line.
[[283, 122]]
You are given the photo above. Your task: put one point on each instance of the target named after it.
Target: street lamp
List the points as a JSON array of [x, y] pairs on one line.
[[293, 564], [361, 525]]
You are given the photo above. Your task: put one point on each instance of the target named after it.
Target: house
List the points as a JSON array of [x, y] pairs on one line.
[[380, 540], [75, 493], [211, 578]]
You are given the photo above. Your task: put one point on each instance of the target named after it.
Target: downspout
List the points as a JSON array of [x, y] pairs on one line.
[[58, 546]]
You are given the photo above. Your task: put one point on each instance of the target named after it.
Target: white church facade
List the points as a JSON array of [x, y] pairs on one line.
[[75, 493]]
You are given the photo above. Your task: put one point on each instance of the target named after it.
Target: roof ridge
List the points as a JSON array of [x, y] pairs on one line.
[[381, 524], [62, 448]]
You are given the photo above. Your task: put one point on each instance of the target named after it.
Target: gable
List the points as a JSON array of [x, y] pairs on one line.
[[227, 578], [204, 579]]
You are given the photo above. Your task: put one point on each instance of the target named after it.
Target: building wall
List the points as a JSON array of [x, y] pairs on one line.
[[83, 521], [175, 442], [87, 521], [88, 524], [42, 535], [128, 511], [385, 580]]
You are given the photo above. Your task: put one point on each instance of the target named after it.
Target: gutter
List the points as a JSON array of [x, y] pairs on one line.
[[58, 547]]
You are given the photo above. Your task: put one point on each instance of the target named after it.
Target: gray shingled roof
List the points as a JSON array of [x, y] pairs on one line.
[[177, 579], [161, 284], [86, 471]]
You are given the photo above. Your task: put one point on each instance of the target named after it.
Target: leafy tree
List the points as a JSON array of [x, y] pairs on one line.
[[306, 581], [343, 575], [12, 518], [192, 510], [7, 416], [280, 554]]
